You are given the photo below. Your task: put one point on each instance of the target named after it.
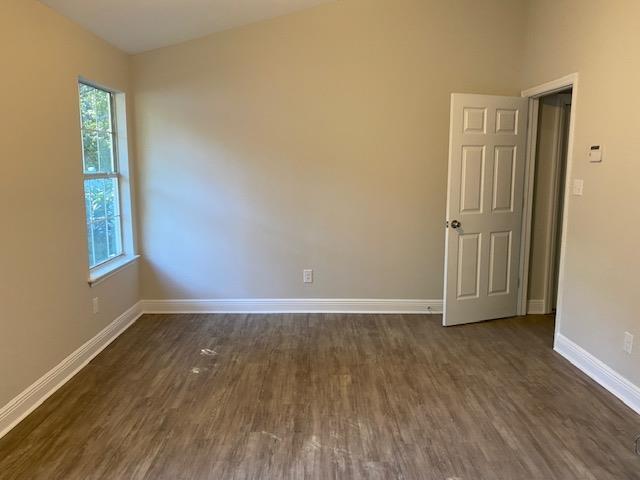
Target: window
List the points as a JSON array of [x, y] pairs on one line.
[[107, 181], [101, 175]]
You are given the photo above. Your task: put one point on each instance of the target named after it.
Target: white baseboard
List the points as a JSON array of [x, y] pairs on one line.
[[598, 371], [27, 401], [22, 405], [535, 307], [295, 305]]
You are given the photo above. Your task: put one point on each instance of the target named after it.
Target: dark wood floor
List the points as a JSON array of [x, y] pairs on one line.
[[327, 396]]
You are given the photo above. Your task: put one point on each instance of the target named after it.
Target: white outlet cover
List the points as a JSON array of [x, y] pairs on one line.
[[307, 276], [578, 186], [628, 342]]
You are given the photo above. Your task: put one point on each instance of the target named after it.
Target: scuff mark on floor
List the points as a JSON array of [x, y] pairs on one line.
[[272, 435]]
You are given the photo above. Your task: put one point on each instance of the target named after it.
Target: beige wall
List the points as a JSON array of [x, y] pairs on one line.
[[316, 140], [46, 302], [598, 39]]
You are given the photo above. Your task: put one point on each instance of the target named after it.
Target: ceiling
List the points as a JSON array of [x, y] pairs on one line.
[[139, 25]]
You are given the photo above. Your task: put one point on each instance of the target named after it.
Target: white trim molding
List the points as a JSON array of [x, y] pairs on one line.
[[293, 305], [527, 205], [101, 273], [551, 87], [17, 409], [599, 371], [536, 307], [26, 402], [534, 94]]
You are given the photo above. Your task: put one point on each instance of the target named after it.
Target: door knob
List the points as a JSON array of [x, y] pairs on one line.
[[455, 224]]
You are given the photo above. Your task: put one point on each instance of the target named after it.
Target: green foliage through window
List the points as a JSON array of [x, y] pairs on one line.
[[101, 179]]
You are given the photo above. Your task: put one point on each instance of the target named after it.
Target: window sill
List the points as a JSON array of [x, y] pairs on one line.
[[103, 272]]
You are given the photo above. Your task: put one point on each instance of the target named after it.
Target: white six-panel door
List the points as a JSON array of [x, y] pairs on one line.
[[484, 207]]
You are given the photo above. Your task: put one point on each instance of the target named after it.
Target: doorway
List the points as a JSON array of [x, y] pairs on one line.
[[554, 257], [491, 191], [554, 112]]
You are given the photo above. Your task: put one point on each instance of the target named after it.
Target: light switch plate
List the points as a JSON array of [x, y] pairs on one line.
[[595, 154], [578, 186]]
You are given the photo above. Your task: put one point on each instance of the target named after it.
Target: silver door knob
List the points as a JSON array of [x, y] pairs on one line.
[[455, 224]]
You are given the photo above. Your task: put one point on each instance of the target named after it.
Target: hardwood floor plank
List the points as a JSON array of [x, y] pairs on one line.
[[327, 396]]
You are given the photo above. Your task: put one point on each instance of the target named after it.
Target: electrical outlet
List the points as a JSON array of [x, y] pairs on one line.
[[307, 276], [578, 186], [628, 342], [96, 305]]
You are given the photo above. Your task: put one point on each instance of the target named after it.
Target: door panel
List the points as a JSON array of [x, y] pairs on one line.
[[485, 193], [472, 174], [468, 265], [499, 263], [503, 178]]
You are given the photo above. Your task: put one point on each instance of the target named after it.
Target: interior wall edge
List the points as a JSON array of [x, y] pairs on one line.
[[597, 370], [27, 401], [294, 305]]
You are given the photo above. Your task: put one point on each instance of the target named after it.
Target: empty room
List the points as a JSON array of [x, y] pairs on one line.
[[319, 239]]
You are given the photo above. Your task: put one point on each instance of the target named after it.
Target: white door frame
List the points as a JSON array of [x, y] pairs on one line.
[[534, 94]]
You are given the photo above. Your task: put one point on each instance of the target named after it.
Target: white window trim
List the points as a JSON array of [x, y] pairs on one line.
[[109, 268], [129, 254]]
